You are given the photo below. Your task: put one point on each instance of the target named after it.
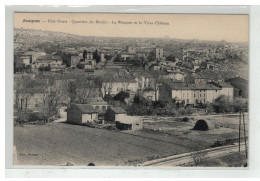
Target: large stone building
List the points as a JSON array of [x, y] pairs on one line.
[[22, 61], [48, 61], [114, 86], [88, 61], [130, 49], [240, 85], [173, 75], [193, 94], [159, 53]]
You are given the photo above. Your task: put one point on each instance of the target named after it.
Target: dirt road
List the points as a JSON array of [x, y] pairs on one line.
[[187, 158]]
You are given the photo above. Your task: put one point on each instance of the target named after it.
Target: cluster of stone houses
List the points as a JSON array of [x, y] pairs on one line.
[[167, 82], [87, 113], [38, 59], [130, 53]]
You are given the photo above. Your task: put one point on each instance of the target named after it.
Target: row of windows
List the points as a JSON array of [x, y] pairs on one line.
[[197, 101], [100, 107], [183, 95]]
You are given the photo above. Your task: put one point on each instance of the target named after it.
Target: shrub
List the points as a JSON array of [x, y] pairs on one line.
[[209, 108], [121, 96], [185, 111], [185, 119], [240, 104], [222, 104]]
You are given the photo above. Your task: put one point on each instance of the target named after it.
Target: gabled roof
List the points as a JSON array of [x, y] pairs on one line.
[[180, 86], [84, 108], [32, 91], [48, 57], [238, 79], [207, 74], [118, 110], [127, 53], [129, 120], [121, 80], [222, 84], [169, 81], [97, 101]]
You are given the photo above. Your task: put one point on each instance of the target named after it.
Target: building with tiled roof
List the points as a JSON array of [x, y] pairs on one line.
[[192, 93], [206, 77], [114, 86], [240, 85]]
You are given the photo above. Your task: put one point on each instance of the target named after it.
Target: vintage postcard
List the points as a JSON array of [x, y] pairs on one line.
[[115, 89]]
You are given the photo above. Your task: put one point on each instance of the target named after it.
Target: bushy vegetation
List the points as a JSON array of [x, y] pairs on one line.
[[142, 106], [45, 68], [224, 104], [121, 96], [240, 103]]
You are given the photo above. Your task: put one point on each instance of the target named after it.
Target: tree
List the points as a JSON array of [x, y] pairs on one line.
[[151, 56], [136, 61], [108, 57], [188, 65], [240, 104], [121, 96], [222, 104], [170, 58], [96, 56], [117, 58], [140, 106], [82, 90], [108, 98], [28, 68], [45, 68], [83, 95], [22, 96], [203, 65], [52, 99]]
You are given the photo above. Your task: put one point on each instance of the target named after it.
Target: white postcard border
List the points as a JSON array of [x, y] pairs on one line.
[[66, 172]]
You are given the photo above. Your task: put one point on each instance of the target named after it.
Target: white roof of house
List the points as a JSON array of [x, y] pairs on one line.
[[129, 119]]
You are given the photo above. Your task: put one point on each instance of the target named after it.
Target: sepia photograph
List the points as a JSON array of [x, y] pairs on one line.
[[130, 90]]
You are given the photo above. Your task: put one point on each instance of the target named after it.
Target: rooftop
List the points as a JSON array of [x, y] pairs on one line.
[[118, 110], [97, 101], [222, 84], [119, 80], [84, 108], [180, 86], [239, 79], [129, 120]]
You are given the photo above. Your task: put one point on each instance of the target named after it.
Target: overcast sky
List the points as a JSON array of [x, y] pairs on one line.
[[232, 28]]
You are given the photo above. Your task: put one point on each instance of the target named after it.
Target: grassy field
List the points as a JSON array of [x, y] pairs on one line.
[[226, 127], [58, 143]]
